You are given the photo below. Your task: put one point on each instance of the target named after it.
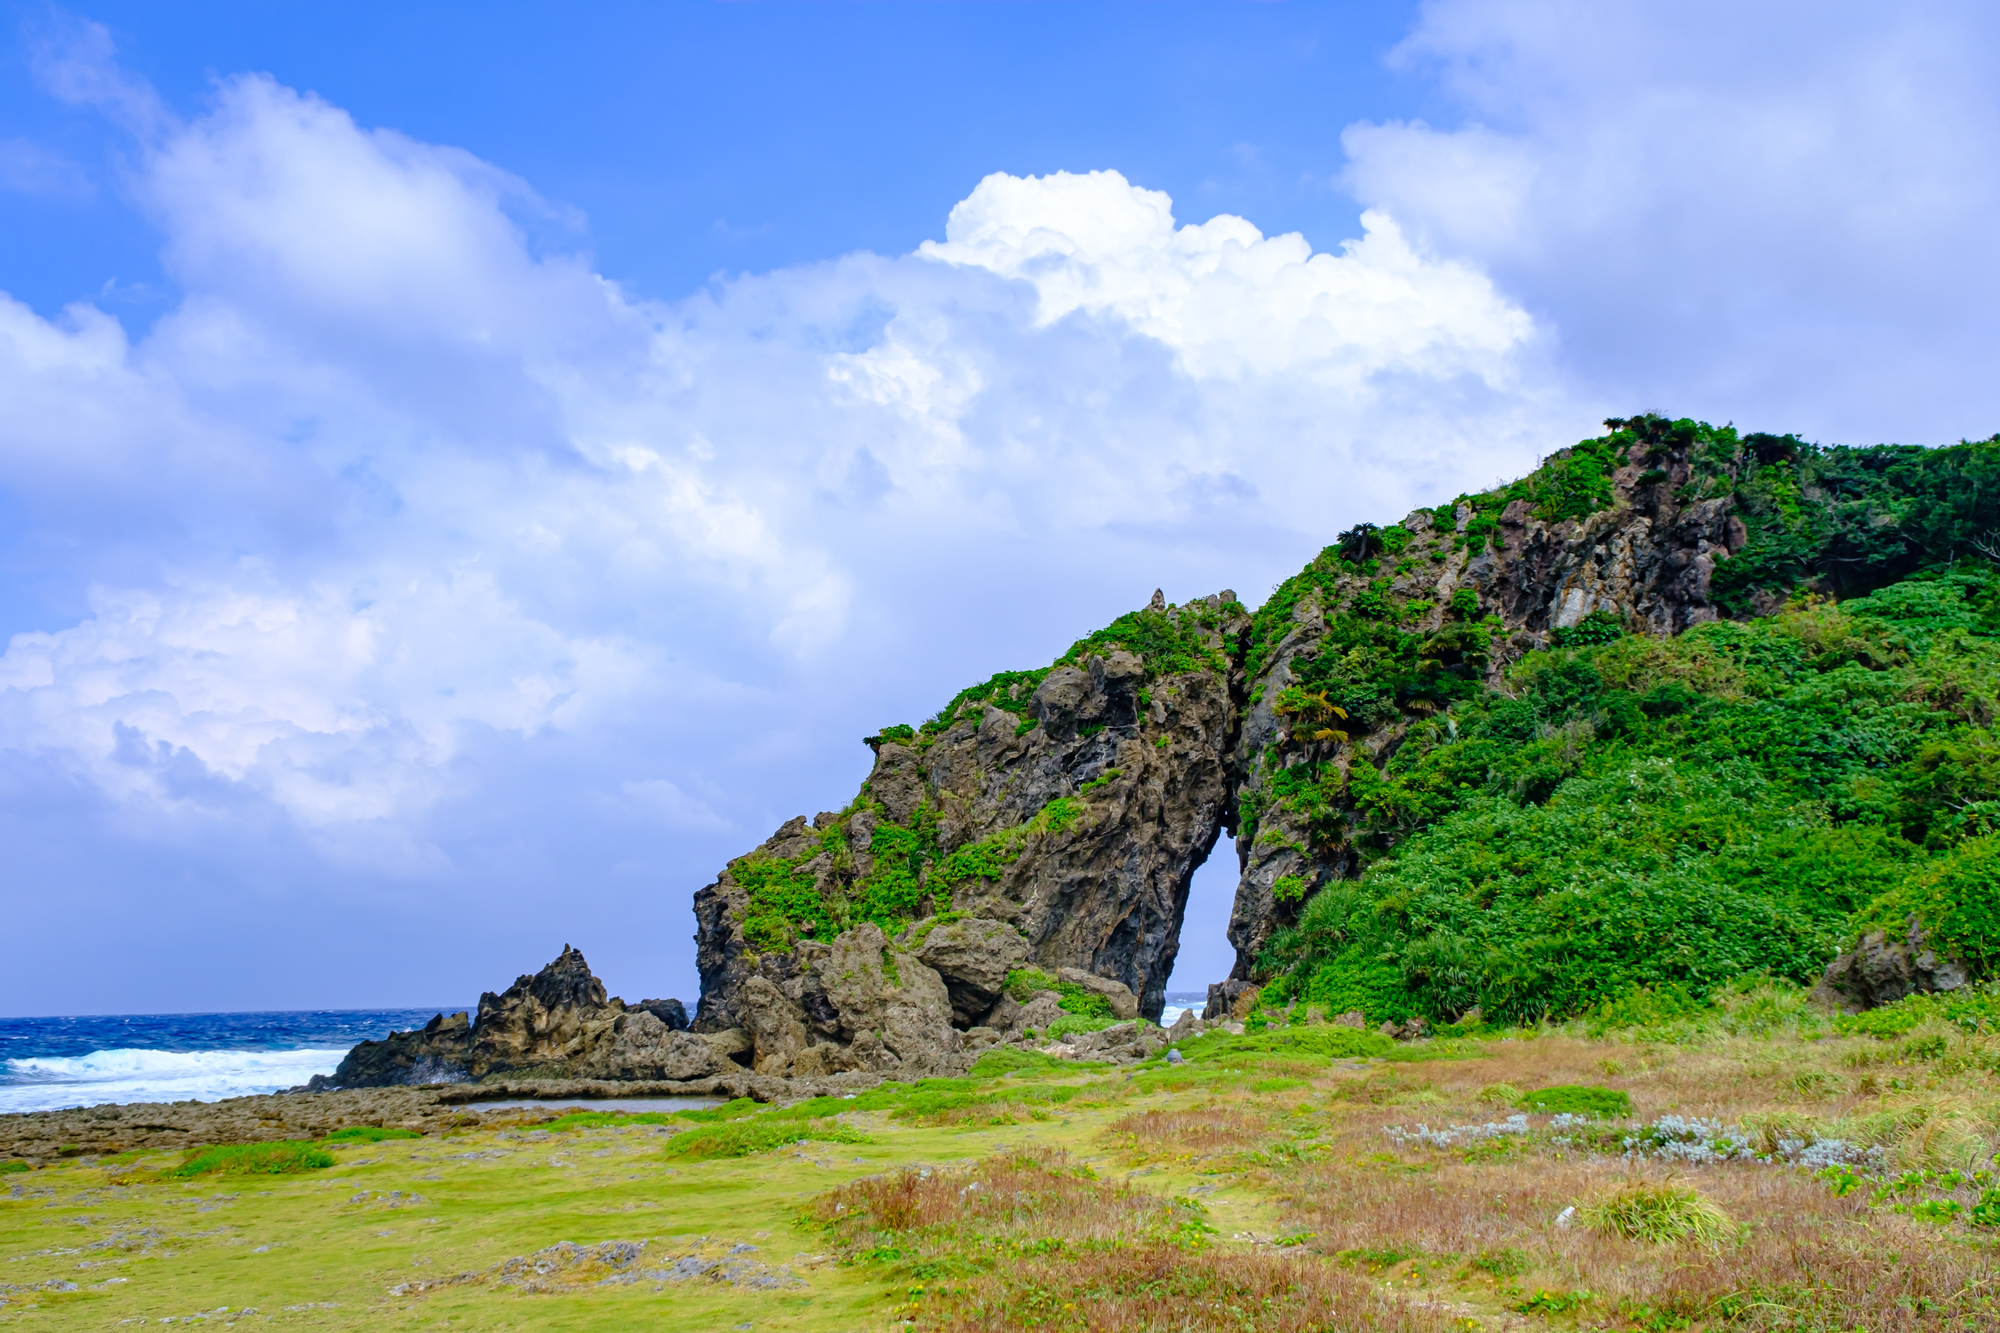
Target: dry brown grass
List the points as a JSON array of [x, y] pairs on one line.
[[1808, 1260], [1166, 1289], [1008, 1201], [1197, 1130]]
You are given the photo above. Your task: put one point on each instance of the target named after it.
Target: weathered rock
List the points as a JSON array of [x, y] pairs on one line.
[[1880, 971], [1229, 999], [1081, 808], [643, 1047], [558, 1023], [1120, 1044], [1123, 1003], [671, 1012], [973, 958], [1013, 1019]]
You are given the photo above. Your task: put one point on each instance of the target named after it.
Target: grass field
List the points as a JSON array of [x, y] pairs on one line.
[[1773, 1172]]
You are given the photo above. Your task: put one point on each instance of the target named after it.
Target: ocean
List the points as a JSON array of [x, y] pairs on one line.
[[48, 1064]]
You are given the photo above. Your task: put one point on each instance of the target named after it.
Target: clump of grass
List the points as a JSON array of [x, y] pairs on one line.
[[1499, 1094], [368, 1134], [742, 1138], [7, 1167], [285, 1157], [1147, 1288], [709, 1115], [1577, 1099], [1199, 1129], [1659, 1214], [609, 1119], [1014, 1203], [1326, 1040], [1002, 1060]]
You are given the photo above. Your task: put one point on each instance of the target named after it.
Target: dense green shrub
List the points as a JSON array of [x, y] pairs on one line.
[[1652, 816], [285, 1157], [369, 1134], [1576, 1099]]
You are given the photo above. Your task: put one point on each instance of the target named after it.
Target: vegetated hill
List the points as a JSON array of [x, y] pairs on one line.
[[1681, 705]]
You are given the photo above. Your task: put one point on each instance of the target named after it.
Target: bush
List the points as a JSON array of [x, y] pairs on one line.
[[742, 1138], [286, 1157], [1973, 1008], [1577, 1099], [1023, 982], [1957, 899], [368, 1134], [1659, 1214], [7, 1168]]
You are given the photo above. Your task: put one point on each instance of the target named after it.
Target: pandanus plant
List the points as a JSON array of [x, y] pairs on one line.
[[1312, 714], [1360, 542]]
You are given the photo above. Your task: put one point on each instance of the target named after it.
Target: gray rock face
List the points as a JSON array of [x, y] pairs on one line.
[[557, 1023], [973, 958], [1881, 970]]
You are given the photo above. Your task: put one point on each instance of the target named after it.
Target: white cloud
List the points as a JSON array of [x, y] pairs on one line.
[[1780, 213], [410, 548], [1229, 300]]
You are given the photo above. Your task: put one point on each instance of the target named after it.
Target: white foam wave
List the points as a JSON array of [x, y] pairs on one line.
[[49, 1083]]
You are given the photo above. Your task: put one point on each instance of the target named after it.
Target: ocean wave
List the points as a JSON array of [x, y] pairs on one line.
[[131, 1074]]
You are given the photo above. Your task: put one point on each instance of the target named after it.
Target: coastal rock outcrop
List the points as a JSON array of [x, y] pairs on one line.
[[558, 1023], [1048, 818]]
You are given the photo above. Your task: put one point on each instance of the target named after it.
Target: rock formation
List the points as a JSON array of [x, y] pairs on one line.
[[1048, 819], [557, 1023], [1053, 819]]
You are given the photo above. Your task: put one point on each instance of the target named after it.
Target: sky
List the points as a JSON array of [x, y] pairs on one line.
[[467, 473]]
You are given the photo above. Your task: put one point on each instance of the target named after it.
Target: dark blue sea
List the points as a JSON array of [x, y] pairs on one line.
[[47, 1064], [50, 1063]]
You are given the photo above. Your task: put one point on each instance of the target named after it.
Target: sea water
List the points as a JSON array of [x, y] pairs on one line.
[[48, 1064], [1179, 1002]]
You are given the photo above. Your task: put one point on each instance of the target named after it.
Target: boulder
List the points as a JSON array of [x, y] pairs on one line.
[[1120, 1044], [973, 957], [1124, 1004], [644, 1047], [1881, 970], [1229, 999], [671, 1012]]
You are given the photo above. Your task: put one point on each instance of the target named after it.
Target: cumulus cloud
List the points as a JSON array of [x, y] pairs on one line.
[[1777, 212], [411, 560]]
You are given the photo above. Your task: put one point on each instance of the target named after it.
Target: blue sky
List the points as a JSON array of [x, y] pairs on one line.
[[693, 139], [470, 471]]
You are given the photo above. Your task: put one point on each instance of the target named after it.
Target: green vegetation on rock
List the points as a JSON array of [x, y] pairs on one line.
[[1644, 812]]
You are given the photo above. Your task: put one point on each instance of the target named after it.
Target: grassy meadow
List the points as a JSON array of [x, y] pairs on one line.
[[1748, 1164]]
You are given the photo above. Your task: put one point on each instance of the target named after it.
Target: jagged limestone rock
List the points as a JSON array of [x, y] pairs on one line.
[[557, 1023]]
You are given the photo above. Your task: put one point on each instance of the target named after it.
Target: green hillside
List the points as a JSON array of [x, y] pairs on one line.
[[1627, 811], [1676, 812]]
